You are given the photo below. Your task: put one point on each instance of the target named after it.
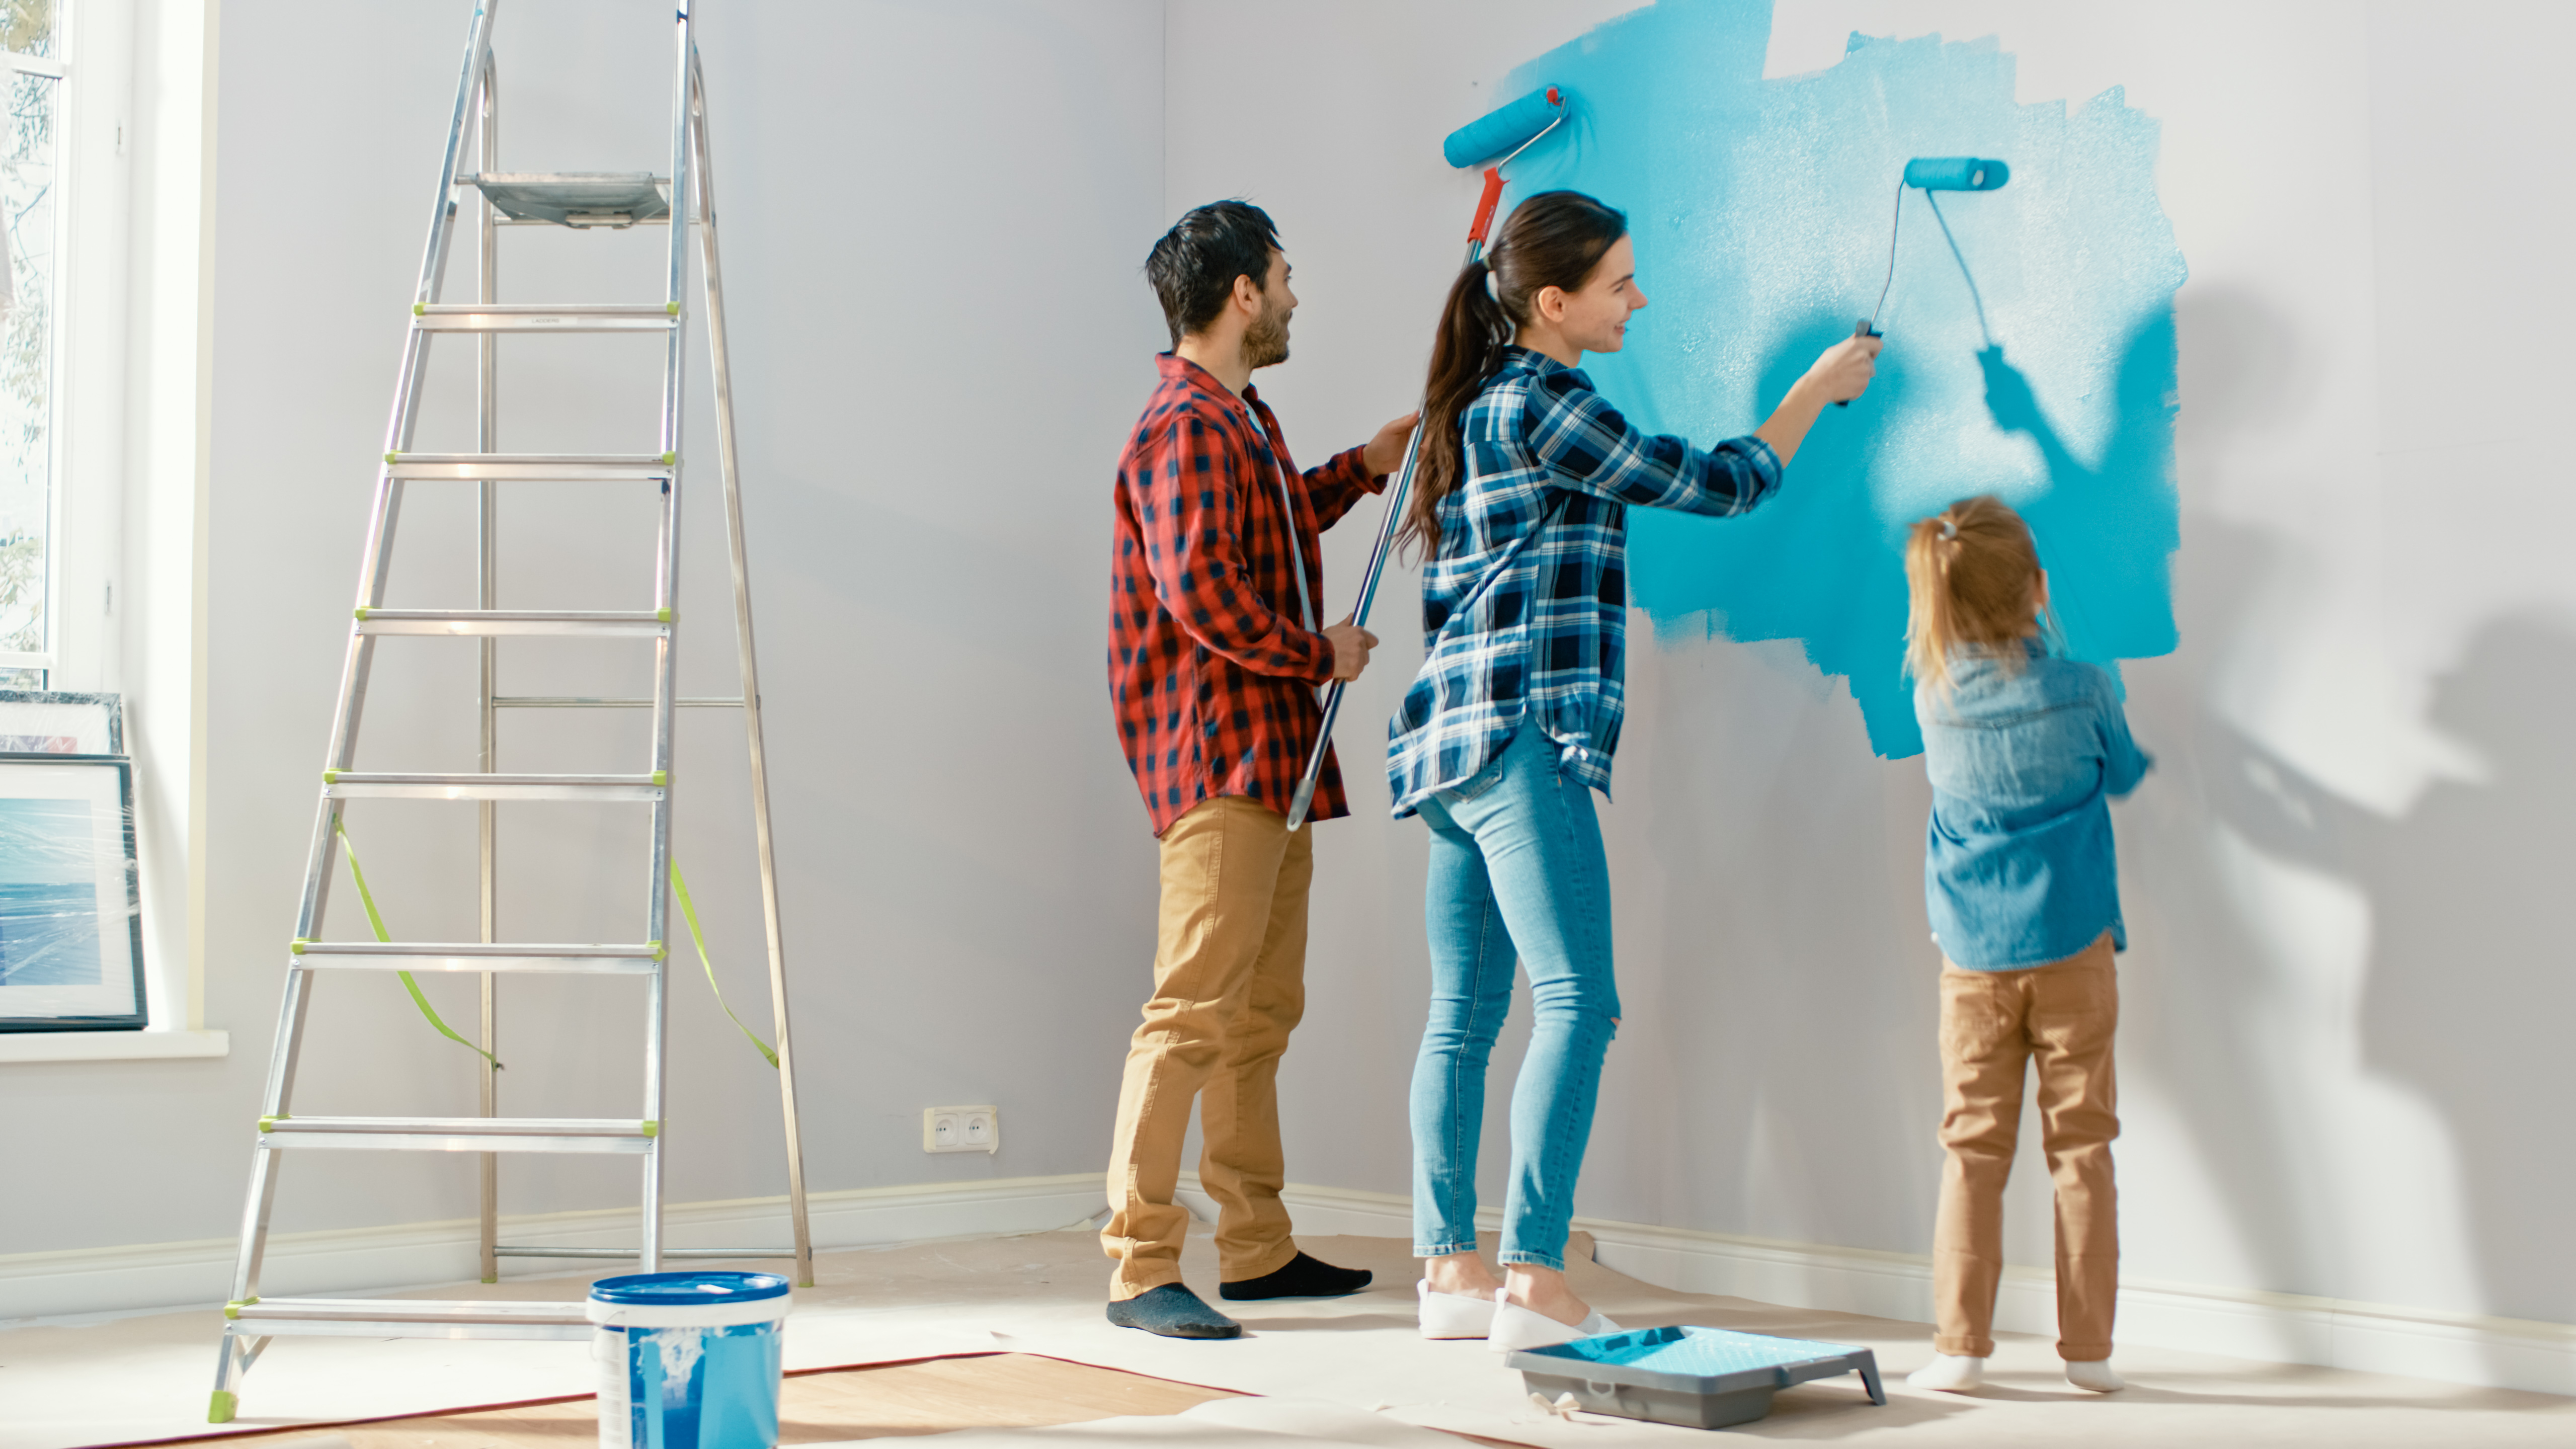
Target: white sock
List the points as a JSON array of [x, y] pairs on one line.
[[2096, 1375], [1951, 1373]]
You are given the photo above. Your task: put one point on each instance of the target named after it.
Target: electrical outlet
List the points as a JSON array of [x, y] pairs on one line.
[[961, 1129]]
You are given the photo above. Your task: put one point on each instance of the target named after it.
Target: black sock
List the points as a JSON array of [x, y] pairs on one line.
[[1304, 1277], [1174, 1312]]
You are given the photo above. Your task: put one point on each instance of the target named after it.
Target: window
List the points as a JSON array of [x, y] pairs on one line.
[[32, 68]]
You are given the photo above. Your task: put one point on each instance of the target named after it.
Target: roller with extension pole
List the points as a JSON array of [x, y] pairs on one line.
[[1928, 174], [1492, 140]]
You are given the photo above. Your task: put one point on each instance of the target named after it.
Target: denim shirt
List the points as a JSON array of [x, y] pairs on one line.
[[2018, 868]]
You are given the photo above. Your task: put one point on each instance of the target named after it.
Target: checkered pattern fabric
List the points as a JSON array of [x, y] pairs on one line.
[[1525, 611], [1210, 670]]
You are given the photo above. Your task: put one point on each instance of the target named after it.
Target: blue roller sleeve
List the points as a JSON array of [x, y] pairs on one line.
[[1956, 173], [1502, 131]]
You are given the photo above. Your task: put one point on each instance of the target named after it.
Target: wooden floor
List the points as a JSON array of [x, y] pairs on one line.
[[930, 1397]]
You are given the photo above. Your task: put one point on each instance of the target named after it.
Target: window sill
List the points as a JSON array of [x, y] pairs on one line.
[[110, 1046]]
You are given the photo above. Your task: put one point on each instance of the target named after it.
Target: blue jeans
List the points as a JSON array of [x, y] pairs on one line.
[[1516, 870]]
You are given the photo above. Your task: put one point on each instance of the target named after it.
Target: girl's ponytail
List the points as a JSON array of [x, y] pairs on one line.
[[1971, 573]]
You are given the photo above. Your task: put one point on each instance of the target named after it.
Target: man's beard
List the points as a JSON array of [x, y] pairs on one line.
[[1265, 342]]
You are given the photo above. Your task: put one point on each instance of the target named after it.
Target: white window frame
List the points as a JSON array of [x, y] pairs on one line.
[[131, 430], [93, 211]]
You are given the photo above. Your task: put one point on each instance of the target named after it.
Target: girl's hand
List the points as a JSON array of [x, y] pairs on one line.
[[1845, 369]]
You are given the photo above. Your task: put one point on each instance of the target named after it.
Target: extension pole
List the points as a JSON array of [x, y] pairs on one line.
[[1304, 799]]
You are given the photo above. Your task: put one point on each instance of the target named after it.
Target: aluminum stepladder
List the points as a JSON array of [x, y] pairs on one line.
[[579, 200]]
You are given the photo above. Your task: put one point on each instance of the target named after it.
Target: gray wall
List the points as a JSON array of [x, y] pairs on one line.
[[2341, 1047], [2342, 1052], [933, 220]]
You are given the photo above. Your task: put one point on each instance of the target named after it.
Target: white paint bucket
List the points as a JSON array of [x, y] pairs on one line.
[[688, 1360]]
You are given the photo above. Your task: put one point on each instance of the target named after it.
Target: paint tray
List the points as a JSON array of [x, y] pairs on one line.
[[1704, 1378]]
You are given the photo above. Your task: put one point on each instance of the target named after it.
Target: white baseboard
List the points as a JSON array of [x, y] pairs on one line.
[[2271, 1327], [161, 1275]]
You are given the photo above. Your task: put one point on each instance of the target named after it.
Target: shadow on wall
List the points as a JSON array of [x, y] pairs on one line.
[[2218, 1021], [1761, 214], [2468, 997]]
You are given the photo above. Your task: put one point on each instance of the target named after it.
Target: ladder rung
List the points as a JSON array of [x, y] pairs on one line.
[[478, 956], [461, 1134], [533, 317], [357, 785], [583, 701], [505, 1250], [463, 622], [527, 467], [407, 1318]]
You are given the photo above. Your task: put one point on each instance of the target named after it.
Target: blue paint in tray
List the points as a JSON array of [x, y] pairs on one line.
[[1698, 1352]]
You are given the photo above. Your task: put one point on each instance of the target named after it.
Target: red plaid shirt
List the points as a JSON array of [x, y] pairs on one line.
[[1211, 672]]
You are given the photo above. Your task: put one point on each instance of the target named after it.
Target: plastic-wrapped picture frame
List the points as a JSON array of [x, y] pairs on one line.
[[55, 722], [71, 920]]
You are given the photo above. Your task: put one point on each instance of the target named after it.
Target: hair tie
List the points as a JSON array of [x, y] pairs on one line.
[[1949, 527], [1493, 288]]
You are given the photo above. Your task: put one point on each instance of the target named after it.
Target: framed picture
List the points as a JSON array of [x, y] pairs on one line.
[[44, 722], [71, 921]]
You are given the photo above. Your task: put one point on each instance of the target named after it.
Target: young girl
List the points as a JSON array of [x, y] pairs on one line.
[[2024, 750], [1520, 506]]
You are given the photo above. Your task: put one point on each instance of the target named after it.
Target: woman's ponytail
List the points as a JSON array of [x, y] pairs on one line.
[[1554, 239], [1465, 353]]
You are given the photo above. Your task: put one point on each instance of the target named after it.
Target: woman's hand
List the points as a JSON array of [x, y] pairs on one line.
[[1844, 371], [1841, 374]]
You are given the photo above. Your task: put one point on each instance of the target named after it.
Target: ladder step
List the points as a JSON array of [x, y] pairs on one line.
[[586, 701], [478, 956], [527, 467], [461, 1134], [631, 623], [406, 1318], [576, 198], [378, 785], [507, 1250], [525, 317]]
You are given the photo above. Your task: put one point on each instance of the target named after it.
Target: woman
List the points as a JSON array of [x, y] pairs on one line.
[[1520, 507]]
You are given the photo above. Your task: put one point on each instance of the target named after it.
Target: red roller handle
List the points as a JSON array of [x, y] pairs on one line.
[[1485, 208]]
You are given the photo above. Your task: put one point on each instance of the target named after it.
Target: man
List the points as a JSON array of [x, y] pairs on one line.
[[1214, 655]]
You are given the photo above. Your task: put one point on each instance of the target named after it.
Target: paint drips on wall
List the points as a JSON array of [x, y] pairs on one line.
[[1761, 209]]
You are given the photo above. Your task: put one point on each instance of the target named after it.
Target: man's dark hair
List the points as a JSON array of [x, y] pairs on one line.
[[1193, 267]]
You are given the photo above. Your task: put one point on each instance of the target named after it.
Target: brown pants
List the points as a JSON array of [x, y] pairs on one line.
[[1229, 985], [1993, 1023]]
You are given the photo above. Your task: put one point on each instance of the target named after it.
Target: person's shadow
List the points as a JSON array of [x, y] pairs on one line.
[[2107, 531], [2469, 999]]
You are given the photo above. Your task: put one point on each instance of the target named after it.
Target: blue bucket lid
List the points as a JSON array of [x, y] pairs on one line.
[[669, 1290]]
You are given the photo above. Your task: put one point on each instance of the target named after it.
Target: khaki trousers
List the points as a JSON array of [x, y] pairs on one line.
[[1229, 985], [2063, 1015]]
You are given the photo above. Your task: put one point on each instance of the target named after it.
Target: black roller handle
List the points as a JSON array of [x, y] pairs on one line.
[[1860, 328]]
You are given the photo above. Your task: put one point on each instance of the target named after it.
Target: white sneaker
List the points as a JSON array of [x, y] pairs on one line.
[[1453, 1315], [1951, 1373], [1518, 1327], [2095, 1374]]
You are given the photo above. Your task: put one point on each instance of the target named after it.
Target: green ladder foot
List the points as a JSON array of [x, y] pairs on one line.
[[221, 1410]]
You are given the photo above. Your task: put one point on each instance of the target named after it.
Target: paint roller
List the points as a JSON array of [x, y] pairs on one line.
[[1929, 174], [1490, 140]]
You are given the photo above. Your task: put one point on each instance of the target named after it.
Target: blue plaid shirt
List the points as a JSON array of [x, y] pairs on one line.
[[1525, 610]]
